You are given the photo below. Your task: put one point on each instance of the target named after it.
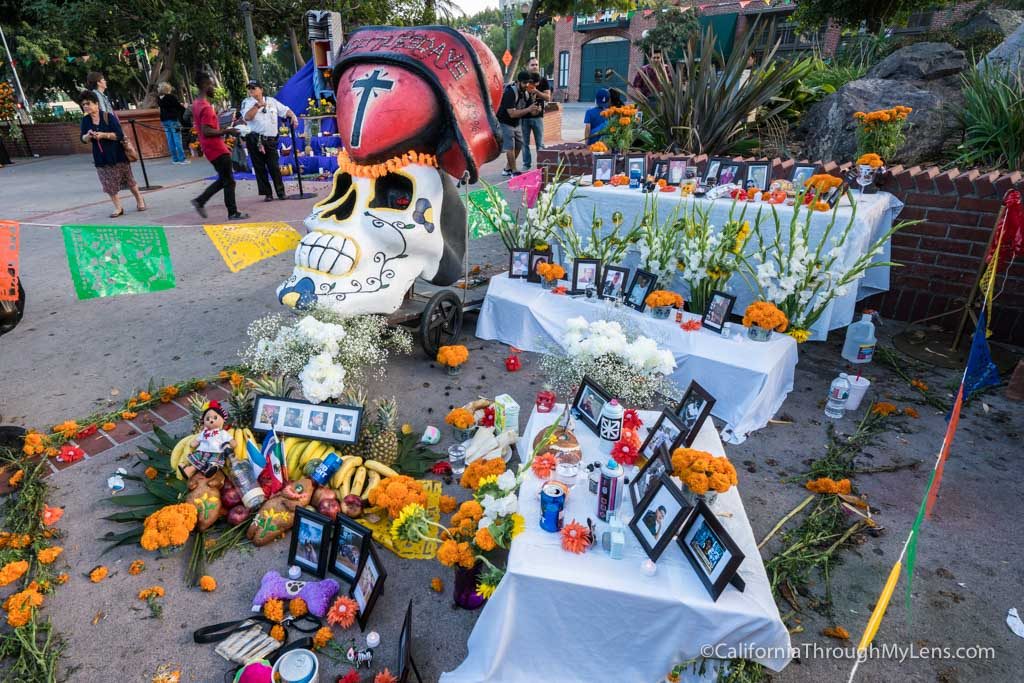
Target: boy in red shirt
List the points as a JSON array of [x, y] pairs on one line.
[[211, 141]]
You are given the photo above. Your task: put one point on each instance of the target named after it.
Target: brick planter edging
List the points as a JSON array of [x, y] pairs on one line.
[[939, 256]]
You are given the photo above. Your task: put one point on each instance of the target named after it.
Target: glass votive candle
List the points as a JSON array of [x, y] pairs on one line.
[[457, 458]]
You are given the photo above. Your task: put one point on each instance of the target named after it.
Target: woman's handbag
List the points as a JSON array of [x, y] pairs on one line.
[[129, 147]]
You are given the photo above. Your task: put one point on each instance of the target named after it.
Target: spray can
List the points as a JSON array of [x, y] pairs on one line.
[[609, 490], [552, 507], [609, 425], [838, 392], [859, 346]]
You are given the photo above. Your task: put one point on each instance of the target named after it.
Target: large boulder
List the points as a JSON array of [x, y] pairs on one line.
[[991, 20], [920, 62], [1009, 54], [830, 130]]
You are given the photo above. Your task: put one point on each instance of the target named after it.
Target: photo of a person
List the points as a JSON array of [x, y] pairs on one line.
[[676, 171], [342, 425], [612, 286], [691, 410], [350, 547], [707, 546], [727, 174], [311, 535], [758, 175], [653, 520], [587, 277], [367, 580], [716, 311], [650, 475], [638, 292], [800, 176], [637, 166], [592, 404], [603, 169], [535, 261], [713, 167], [269, 414], [293, 418], [317, 421], [666, 434], [660, 514], [520, 264]]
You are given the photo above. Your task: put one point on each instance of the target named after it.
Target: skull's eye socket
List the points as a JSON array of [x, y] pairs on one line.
[[342, 200], [392, 191]]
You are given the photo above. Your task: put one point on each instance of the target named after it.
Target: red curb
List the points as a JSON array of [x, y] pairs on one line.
[[95, 443], [124, 431], [216, 393], [145, 421], [169, 412]]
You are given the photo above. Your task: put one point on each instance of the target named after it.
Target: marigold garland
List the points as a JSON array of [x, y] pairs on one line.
[[460, 418], [663, 297], [12, 571], [98, 574], [452, 356], [394, 493], [273, 609], [207, 584], [765, 315], [477, 470], [550, 271], [346, 165], [169, 526], [136, 568], [343, 612], [826, 485], [575, 537], [702, 472]]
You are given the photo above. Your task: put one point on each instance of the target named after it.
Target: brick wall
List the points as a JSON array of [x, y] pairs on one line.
[[571, 41], [939, 257], [55, 139]]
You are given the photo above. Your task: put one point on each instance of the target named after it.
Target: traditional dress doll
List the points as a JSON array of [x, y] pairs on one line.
[[209, 447]]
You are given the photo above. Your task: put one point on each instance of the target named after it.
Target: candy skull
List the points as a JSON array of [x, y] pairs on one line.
[[372, 237]]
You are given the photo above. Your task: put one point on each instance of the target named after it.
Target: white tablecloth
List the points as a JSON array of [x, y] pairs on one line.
[[749, 380], [557, 616], [875, 215]]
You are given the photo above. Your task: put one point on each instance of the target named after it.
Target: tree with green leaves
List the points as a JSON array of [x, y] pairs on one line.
[[812, 15], [672, 29]]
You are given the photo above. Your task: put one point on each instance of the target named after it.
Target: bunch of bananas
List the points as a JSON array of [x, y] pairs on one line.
[[183, 448], [354, 477]]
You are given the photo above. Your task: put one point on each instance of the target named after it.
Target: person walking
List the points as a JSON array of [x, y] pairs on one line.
[[539, 91], [103, 130], [593, 122], [97, 83], [211, 141], [514, 105], [170, 118], [263, 114]]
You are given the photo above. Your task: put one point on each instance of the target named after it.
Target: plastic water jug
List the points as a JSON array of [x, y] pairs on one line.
[[859, 346]]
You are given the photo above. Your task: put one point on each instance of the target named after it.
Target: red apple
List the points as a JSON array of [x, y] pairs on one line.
[[238, 514], [352, 506], [230, 496], [329, 507], [323, 493]]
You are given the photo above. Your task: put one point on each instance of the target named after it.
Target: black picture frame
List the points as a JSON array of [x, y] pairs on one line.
[[604, 167], [690, 420], [340, 424], [640, 160], [513, 261], [761, 174], [405, 660], [305, 519], [346, 529], [676, 170], [654, 439], [662, 493], [660, 464], [713, 168], [577, 286], [699, 525], [590, 416], [370, 563], [732, 172], [537, 257], [647, 283], [717, 322], [610, 293], [835, 194], [659, 169], [800, 173]]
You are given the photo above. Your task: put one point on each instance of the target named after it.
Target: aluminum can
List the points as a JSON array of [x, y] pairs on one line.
[[325, 470], [552, 507]]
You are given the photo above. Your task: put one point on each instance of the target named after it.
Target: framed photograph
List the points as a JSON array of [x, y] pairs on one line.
[[643, 284], [589, 402], [311, 542], [732, 172], [321, 421], [658, 516], [348, 548], [676, 171], [714, 166], [586, 274], [652, 470], [835, 194], [718, 311], [709, 548], [604, 167], [613, 282], [659, 169], [760, 174], [667, 431], [537, 258], [692, 410], [368, 584], [519, 264], [800, 174], [636, 162], [405, 660]]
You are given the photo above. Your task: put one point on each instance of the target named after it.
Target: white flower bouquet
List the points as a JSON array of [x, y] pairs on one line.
[[708, 257], [535, 228]]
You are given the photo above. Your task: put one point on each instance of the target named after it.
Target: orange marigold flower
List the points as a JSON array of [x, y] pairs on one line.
[[273, 609], [385, 676], [827, 485], [19, 541], [223, 374], [16, 478], [911, 412], [98, 574], [883, 408], [436, 584], [446, 504], [469, 510], [109, 426], [918, 384], [277, 633], [207, 583], [343, 612], [460, 418], [484, 540], [132, 402], [137, 567], [236, 379], [12, 571], [575, 537], [67, 429], [168, 393], [34, 443], [200, 384], [145, 396], [48, 555], [323, 635], [61, 579], [150, 472], [837, 632], [151, 592], [128, 415], [297, 607], [478, 469]]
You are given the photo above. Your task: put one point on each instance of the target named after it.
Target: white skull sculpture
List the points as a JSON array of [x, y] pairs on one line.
[[372, 237]]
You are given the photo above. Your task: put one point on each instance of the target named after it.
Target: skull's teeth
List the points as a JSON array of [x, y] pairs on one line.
[[326, 253]]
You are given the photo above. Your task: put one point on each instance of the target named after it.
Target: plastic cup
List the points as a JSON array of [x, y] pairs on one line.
[[858, 387]]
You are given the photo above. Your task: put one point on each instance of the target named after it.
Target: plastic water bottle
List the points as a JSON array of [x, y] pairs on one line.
[[859, 346], [246, 483], [837, 395]]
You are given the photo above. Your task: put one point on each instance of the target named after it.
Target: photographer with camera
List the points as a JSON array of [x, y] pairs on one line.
[[538, 91], [262, 113]]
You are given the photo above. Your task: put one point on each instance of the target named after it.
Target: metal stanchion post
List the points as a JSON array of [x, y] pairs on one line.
[[298, 167], [145, 177]]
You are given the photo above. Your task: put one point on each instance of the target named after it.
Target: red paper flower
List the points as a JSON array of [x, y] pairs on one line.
[[690, 325], [512, 363], [69, 453], [88, 431], [488, 419], [351, 677], [543, 465], [560, 289], [631, 419], [625, 453], [575, 537], [441, 467], [630, 436]]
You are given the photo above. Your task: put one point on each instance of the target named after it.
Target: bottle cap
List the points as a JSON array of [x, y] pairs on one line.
[[612, 465]]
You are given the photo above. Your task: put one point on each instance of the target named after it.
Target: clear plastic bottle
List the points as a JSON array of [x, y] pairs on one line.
[[838, 392], [859, 346], [245, 480]]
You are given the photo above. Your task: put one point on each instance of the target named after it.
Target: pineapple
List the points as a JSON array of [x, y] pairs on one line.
[[272, 385], [195, 409], [384, 442], [240, 404], [356, 396]]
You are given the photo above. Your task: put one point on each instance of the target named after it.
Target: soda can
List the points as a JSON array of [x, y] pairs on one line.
[[552, 507], [325, 470]]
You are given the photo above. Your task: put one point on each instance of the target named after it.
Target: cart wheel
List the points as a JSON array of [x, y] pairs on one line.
[[441, 323]]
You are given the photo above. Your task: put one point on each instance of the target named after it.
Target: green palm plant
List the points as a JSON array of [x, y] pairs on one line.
[[708, 105]]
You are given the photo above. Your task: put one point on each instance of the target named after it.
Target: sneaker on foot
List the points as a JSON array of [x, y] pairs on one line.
[[515, 173], [268, 198], [507, 172], [200, 209], [237, 216]]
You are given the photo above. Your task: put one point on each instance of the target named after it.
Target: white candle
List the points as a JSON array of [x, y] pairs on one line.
[[294, 572], [372, 639]]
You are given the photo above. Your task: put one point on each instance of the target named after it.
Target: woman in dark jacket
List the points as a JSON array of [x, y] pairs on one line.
[[104, 132], [170, 115]]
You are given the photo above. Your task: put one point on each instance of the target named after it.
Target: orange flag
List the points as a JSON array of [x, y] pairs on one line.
[[9, 260]]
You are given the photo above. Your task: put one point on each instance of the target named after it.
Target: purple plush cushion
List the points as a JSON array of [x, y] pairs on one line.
[[317, 594]]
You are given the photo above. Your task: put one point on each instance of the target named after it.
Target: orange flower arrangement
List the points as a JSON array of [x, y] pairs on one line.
[[207, 584], [12, 571], [452, 356], [323, 635], [48, 555], [346, 165], [543, 465], [884, 408], [599, 147], [273, 609], [550, 271], [98, 574], [168, 526], [343, 612], [297, 607], [136, 568], [663, 297], [484, 540], [453, 552], [460, 418], [826, 485], [702, 472], [880, 116], [477, 470], [625, 111], [446, 504], [575, 537], [766, 315], [822, 182], [436, 584], [394, 493], [870, 159]]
